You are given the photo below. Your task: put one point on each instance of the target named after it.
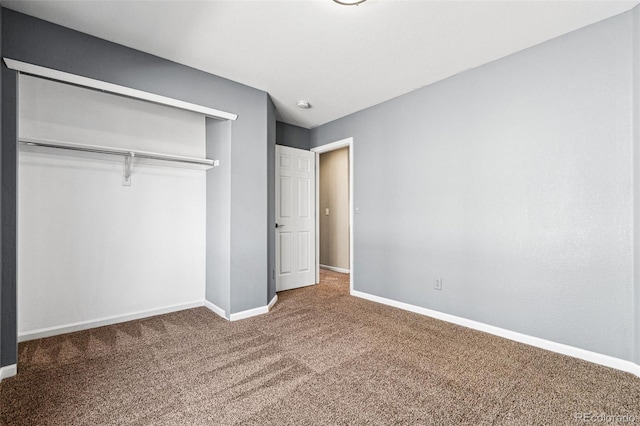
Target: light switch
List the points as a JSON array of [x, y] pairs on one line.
[[326, 211]]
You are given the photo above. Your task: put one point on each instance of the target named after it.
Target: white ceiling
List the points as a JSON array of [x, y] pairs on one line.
[[341, 59]]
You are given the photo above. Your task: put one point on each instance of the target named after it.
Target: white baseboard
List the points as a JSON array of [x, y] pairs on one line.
[[273, 302], [215, 308], [249, 313], [597, 358], [254, 312], [100, 322], [8, 371], [335, 269]]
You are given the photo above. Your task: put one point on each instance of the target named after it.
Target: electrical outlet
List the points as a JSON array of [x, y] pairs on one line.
[[437, 283]]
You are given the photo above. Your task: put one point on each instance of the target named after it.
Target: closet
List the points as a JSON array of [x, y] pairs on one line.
[[111, 208]]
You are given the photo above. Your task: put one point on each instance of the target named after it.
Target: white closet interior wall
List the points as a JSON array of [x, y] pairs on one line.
[[89, 248]]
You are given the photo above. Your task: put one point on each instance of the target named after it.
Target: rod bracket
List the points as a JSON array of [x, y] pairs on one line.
[[128, 165]]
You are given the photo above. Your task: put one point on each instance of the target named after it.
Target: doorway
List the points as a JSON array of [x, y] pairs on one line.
[[334, 214]]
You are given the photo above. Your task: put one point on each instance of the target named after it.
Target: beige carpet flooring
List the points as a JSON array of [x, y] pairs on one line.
[[320, 357]]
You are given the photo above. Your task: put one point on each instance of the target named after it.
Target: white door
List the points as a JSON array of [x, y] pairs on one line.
[[295, 218]]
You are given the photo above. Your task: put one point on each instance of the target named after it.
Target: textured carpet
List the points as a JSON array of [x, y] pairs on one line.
[[320, 357]]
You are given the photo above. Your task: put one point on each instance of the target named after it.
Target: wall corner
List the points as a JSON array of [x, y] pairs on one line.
[[635, 76], [218, 218], [271, 198]]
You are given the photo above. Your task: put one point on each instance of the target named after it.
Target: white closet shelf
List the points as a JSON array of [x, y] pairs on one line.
[[24, 67], [200, 163]]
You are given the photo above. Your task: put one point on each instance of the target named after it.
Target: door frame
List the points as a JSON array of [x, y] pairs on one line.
[[347, 142]]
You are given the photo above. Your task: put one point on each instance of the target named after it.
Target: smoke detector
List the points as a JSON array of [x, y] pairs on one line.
[[304, 104]]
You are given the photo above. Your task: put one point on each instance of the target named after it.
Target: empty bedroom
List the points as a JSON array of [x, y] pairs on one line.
[[319, 212]]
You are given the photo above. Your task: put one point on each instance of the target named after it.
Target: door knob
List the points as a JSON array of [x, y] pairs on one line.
[[279, 226]]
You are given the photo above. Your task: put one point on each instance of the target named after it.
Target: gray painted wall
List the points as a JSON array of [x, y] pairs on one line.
[[218, 263], [636, 176], [513, 183], [11, 360], [249, 186], [271, 202], [292, 136], [42, 43], [8, 214], [8, 211], [9, 343], [3, 362]]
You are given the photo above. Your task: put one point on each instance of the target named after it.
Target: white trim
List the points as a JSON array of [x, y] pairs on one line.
[[249, 313], [116, 89], [606, 360], [348, 142], [332, 146], [215, 309], [335, 269], [8, 371], [244, 314], [272, 302], [84, 325]]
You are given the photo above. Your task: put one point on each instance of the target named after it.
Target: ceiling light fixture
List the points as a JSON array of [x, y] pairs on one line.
[[304, 104], [349, 2]]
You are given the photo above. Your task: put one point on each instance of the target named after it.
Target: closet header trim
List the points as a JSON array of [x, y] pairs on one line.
[[116, 89]]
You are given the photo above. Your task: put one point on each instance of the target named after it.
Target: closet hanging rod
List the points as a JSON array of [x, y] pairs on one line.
[[117, 151]]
